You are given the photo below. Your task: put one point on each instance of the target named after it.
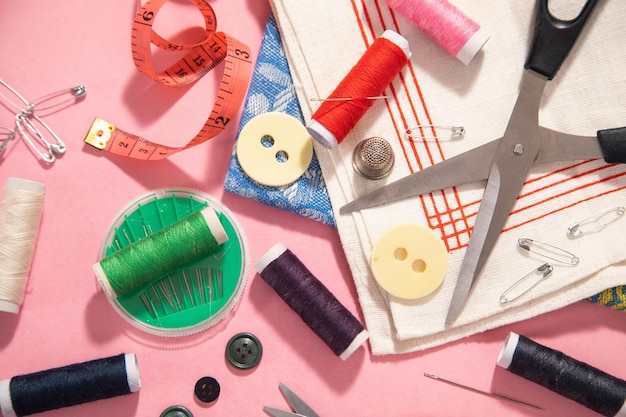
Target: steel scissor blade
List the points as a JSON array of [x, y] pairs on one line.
[[559, 146], [514, 158], [468, 167], [297, 403], [275, 412]]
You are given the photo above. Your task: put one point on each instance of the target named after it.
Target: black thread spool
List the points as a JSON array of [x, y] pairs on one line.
[[69, 385], [578, 381], [312, 301]]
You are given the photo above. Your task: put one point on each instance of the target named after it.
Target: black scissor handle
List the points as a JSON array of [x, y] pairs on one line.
[[554, 38]]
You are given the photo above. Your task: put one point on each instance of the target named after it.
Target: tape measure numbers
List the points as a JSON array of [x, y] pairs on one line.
[[201, 58]]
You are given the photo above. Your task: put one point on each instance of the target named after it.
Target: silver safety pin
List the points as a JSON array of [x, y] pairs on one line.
[[599, 220], [417, 132], [548, 251], [26, 121], [5, 137], [526, 283]]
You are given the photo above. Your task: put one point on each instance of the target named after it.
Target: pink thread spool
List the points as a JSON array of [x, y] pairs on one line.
[[457, 34]]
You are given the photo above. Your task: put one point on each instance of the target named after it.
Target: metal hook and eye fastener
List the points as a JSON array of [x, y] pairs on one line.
[[596, 222], [526, 283], [548, 251]]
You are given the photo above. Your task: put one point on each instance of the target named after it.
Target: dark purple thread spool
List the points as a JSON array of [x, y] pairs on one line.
[[566, 376], [69, 385], [312, 301]]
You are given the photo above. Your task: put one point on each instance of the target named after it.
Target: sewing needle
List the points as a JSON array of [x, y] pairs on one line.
[[477, 391]]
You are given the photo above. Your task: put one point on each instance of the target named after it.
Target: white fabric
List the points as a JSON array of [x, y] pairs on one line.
[[325, 38]]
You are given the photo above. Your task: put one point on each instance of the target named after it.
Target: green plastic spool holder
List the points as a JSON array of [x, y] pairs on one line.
[[193, 297]]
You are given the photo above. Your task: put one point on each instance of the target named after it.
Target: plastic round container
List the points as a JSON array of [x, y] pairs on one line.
[[193, 297]]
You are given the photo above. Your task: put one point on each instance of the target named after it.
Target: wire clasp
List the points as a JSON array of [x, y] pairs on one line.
[[526, 283], [596, 222], [27, 120], [548, 251]]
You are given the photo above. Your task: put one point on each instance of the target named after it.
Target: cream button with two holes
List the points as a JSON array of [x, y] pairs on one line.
[[409, 261], [274, 149]]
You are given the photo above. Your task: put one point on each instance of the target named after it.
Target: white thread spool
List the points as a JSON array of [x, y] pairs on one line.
[[20, 215]]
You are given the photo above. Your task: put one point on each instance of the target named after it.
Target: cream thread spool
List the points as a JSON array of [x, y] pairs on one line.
[[20, 216]]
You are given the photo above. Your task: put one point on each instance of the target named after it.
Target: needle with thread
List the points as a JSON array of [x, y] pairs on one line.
[[346, 98], [477, 391]]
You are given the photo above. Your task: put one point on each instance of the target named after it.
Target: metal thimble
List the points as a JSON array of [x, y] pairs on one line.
[[373, 158]]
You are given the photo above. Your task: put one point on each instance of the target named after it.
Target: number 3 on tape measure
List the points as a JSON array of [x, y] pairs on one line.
[[200, 59]]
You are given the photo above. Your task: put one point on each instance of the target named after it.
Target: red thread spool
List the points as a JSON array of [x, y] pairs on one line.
[[376, 69], [457, 34]]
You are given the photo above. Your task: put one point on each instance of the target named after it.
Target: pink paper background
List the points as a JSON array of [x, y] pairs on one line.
[[65, 318]]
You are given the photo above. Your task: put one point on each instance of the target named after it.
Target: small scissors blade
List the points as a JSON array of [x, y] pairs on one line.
[[514, 158], [275, 412], [297, 404], [468, 167]]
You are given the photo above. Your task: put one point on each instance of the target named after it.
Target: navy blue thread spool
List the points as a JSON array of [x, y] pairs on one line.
[[312, 301], [69, 385], [578, 381]]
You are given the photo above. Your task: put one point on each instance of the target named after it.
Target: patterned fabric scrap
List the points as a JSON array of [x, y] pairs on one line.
[[272, 90]]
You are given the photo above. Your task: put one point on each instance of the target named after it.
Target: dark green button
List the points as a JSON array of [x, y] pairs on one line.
[[244, 351], [176, 411]]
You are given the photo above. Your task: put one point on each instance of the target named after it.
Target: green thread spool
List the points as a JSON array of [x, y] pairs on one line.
[[186, 241], [197, 293]]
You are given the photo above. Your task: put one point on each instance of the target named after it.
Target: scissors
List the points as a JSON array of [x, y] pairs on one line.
[[506, 162], [298, 406]]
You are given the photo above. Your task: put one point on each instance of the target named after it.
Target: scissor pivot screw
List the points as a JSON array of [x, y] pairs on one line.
[[518, 149]]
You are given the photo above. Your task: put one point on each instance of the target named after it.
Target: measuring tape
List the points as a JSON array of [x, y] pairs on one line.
[[201, 58]]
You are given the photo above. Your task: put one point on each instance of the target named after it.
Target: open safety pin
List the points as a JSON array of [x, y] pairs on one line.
[[578, 229]]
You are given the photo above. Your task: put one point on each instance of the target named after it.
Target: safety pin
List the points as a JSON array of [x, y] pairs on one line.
[[543, 271], [26, 118], [577, 230], [548, 251], [6, 137], [456, 132]]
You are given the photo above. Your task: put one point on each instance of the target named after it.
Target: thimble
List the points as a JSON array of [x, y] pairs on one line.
[[373, 158]]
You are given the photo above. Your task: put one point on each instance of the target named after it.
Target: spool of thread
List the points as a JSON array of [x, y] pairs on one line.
[[457, 34], [69, 385], [312, 301], [183, 242], [578, 381], [376, 69], [20, 216]]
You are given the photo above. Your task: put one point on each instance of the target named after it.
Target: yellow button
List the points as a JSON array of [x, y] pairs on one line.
[[274, 149], [409, 261]]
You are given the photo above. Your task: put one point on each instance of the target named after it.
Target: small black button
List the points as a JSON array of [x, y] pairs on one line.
[[176, 411], [244, 351], [207, 389]]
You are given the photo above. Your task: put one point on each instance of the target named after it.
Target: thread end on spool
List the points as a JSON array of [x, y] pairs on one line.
[[25, 185], [399, 40], [9, 307], [505, 357], [215, 225], [472, 46], [6, 405], [103, 280], [132, 372], [321, 134], [356, 343], [270, 256]]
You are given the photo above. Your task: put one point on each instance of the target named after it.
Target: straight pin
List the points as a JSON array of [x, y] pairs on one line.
[[347, 98], [477, 391]]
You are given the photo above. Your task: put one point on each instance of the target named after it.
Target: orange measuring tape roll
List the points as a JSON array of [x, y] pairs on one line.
[[201, 58]]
